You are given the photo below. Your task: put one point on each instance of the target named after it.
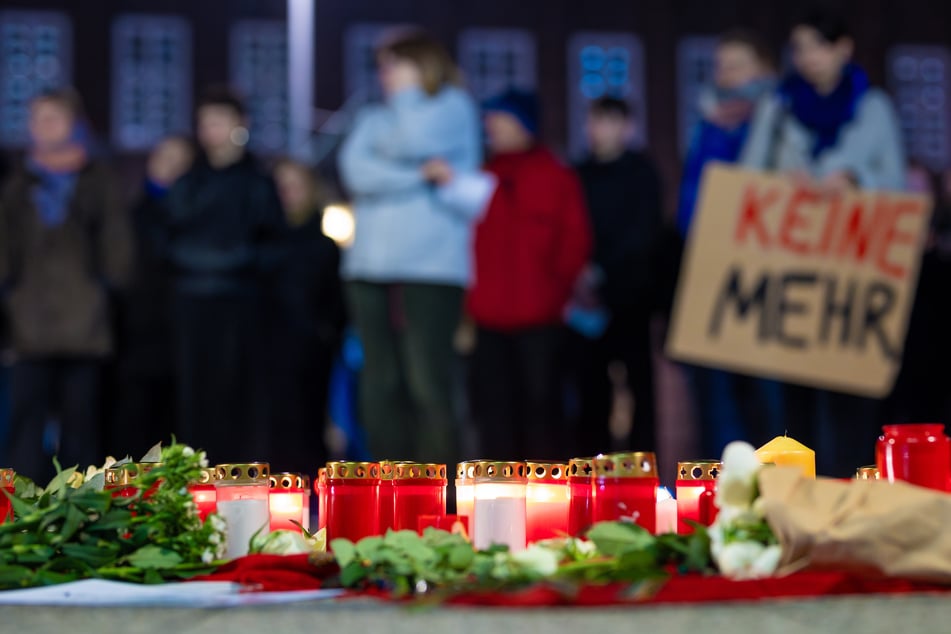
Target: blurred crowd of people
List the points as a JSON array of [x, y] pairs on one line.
[[213, 307]]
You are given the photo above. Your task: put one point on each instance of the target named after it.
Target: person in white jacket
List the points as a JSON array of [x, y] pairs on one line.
[[411, 257]]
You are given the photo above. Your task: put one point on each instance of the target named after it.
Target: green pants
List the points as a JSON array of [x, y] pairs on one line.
[[406, 384]]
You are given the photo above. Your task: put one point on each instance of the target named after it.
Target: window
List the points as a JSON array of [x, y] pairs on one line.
[[918, 77], [35, 52], [604, 64], [259, 72], [694, 74], [494, 60], [151, 79]]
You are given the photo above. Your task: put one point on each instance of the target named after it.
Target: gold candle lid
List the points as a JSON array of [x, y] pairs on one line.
[[466, 470], [869, 472], [208, 475], [499, 471], [286, 481], [388, 468], [7, 477], [699, 470], [126, 474], [321, 476], [636, 464], [353, 470], [419, 471], [547, 472], [243, 473], [580, 467]]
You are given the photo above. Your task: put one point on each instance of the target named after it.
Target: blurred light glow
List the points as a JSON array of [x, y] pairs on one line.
[[338, 224]]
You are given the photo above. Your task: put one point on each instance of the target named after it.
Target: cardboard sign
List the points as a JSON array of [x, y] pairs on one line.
[[788, 283]]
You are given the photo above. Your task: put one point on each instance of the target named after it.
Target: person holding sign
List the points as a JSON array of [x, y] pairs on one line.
[[830, 131], [743, 76]]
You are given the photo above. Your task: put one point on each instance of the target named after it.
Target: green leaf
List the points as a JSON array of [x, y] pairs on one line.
[[369, 547], [95, 483], [15, 576], [344, 551], [21, 508], [615, 538], [25, 488], [153, 557], [74, 521], [352, 574], [461, 557], [152, 577], [60, 482], [95, 556], [153, 455], [111, 521]]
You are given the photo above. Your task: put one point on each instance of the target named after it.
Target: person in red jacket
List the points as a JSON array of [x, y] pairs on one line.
[[530, 246]]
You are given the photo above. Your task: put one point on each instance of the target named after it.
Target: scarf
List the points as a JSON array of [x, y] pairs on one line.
[[57, 169], [825, 115]]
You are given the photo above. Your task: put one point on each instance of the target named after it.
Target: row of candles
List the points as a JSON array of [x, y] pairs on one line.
[[498, 502]]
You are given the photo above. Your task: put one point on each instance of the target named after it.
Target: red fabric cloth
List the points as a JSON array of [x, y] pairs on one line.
[[271, 573], [698, 589], [532, 243]]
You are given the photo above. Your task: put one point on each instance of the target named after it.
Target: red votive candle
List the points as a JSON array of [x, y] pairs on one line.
[[121, 479], [625, 488], [418, 489], [352, 500], [917, 454], [580, 496], [204, 493], [546, 501], [320, 488], [7, 483], [385, 514], [449, 523], [696, 492], [286, 501]]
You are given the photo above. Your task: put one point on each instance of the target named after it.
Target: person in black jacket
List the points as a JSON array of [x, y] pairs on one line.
[[224, 228], [305, 326], [145, 408], [610, 317]]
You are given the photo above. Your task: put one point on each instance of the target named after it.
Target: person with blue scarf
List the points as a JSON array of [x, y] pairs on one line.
[[729, 406], [65, 248], [827, 127]]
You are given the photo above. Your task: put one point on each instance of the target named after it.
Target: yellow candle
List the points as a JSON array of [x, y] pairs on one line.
[[787, 452]]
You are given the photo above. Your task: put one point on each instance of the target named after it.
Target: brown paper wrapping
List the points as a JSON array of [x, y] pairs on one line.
[[872, 526]]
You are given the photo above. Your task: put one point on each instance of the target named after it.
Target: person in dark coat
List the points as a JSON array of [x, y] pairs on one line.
[[306, 325], [611, 316], [224, 228], [145, 411], [65, 245]]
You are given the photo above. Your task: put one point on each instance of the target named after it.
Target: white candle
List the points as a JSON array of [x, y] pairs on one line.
[[243, 518], [666, 512], [499, 521]]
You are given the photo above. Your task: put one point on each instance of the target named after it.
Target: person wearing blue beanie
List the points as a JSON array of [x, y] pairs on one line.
[[520, 104]]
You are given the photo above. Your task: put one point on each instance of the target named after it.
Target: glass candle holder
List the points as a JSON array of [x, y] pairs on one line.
[[7, 483], [918, 454], [418, 489], [286, 495], [352, 500], [121, 479], [869, 472], [305, 483], [386, 510], [580, 494], [625, 488], [498, 509], [546, 501], [465, 488], [320, 487], [696, 493], [242, 491], [204, 493]]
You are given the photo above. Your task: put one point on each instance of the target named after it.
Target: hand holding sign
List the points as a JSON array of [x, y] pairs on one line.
[[783, 281]]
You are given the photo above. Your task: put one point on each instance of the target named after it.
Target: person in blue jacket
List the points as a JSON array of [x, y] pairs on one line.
[[729, 407], [411, 256]]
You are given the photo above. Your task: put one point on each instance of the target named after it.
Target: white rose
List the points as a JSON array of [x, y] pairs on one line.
[[207, 557], [283, 542], [768, 561], [748, 560], [187, 451], [538, 559], [203, 460], [737, 484]]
